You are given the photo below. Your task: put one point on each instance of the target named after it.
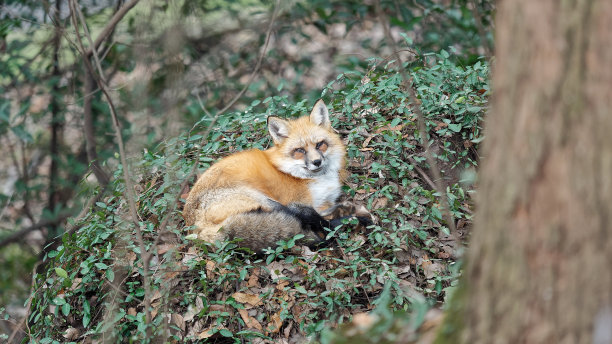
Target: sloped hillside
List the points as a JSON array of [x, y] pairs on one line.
[[94, 287]]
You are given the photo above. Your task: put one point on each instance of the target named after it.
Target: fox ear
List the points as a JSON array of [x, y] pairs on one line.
[[319, 114], [278, 128]]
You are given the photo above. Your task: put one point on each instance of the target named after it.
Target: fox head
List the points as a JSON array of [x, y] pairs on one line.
[[307, 147]]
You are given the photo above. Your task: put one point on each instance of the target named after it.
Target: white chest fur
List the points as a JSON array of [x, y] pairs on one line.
[[325, 189]]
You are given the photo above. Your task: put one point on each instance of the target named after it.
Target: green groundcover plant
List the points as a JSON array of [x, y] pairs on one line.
[[93, 287]]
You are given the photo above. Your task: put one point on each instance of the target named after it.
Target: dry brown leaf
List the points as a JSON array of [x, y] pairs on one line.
[[131, 257], [210, 267], [250, 299], [71, 334], [163, 248], [171, 275], [190, 314], [281, 285], [380, 202], [205, 334], [156, 295], [443, 255], [431, 269], [155, 310], [287, 330], [254, 278], [276, 270], [75, 283], [275, 323], [178, 320], [249, 321], [131, 311]]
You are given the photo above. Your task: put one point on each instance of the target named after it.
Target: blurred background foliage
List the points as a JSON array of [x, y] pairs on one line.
[[172, 65]]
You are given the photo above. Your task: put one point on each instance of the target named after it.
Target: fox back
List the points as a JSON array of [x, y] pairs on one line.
[[265, 196]]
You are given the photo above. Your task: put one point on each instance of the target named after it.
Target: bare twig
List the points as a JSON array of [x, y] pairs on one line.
[[110, 27], [131, 197], [439, 181], [70, 229], [422, 173], [16, 236]]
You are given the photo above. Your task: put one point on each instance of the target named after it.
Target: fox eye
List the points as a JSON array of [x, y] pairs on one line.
[[322, 146], [298, 153]]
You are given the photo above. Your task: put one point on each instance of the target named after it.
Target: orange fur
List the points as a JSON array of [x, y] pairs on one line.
[[255, 179]]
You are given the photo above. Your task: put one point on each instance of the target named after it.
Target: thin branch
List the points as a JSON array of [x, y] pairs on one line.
[[131, 197], [88, 131], [422, 173], [439, 181], [56, 126], [110, 27], [187, 179], [70, 229], [17, 236], [481, 31]]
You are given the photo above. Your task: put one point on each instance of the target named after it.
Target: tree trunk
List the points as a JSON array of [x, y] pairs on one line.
[[57, 122], [88, 129], [539, 267]]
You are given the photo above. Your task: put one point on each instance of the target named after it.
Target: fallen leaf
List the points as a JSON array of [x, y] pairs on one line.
[[275, 323], [251, 299], [281, 285], [205, 334], [380, 202], [156, 295], [210, 267], [178, 320], [249, 321], [287, 330], [190, 314], [155, 306], [71, 334], [163, 248], [431, 269], [75, 283], [254, 278]]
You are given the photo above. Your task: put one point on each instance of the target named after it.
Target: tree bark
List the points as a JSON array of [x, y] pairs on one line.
[[539, 267]]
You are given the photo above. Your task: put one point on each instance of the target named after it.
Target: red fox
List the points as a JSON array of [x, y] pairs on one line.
[[265, 196]]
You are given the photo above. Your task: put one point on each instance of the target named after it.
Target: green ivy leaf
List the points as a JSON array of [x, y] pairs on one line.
[[110, 275], [226, 333], [455, 127], [61, 272]]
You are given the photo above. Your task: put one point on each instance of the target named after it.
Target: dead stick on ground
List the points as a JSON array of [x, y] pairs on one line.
[[439, 181], [131, 197]]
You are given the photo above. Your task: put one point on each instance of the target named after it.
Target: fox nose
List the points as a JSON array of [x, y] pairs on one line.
[[317, 162]]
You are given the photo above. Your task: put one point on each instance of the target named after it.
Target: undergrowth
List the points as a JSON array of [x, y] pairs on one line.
[[93, 287]]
